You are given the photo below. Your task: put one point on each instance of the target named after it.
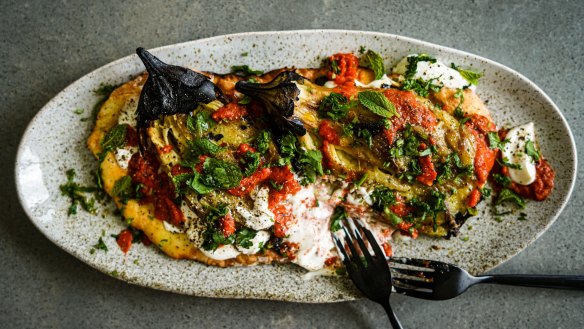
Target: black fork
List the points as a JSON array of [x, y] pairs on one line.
[[369, 272], [428, 279]]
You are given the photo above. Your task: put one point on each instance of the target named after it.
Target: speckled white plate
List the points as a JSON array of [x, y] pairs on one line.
[[55, 141]]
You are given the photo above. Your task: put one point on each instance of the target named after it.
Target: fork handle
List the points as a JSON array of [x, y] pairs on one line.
[[395, 324], [572, 282]]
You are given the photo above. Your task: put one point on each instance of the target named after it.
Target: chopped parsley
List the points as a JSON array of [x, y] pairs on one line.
[[244, 236], [339, 215], [214, 237], [502, 180], [220, 174], [244, 70], [421, 87], [76, 194], [307, 163], [412, 66], [531, 151], [507, 195], [310, 165], [522, 216], [100, 245], [361, 180], [453, 167], [495, 142], [430, 207], [382, 197], [458, 112], [262, 142], [200, 122], [486, 192], [505, 162], [251, 162], [335, 106]]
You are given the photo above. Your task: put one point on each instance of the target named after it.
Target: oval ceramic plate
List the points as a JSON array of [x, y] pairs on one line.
[[55, 142]]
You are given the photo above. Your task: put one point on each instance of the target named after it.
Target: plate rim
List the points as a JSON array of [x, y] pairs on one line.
[[27, 131]]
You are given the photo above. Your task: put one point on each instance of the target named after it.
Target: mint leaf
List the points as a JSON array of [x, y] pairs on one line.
[[377, 103], [470, 76], [114, 139], [201, 146], [373, 61], [197, 184], [220, 174]]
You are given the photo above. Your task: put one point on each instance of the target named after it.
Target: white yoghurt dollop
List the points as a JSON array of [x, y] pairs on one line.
[[260, 239], [260, 217], [223, 252], [514, 153], [439, 71]]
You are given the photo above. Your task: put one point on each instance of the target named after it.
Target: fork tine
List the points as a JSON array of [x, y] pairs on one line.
[[414, 293], [415, 284], [412, 273], [359, 238], [373, 243], [355, 257], [341, 250], [423, 264], [398, 265]]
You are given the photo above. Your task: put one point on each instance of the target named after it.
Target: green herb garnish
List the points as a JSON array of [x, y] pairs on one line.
[[123, 189], [421, 87], [373, 61], [531, 151], [244, 70], [200, 122], [262, 142], [412, 66], [507, 195], [377, 103], [470, 76], [100, 245], [335, 106], [114, 139], [251, 162], [220, 174], [495, 142], [76, 194], [339, 215]]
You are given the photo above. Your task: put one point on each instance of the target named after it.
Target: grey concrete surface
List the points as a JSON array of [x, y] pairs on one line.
[[45, 45]]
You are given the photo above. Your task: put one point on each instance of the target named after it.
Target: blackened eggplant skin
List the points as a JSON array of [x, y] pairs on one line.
[[172, 89], [278, 96]]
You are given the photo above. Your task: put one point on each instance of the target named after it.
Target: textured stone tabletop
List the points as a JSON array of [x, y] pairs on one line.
[[44, 46]]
